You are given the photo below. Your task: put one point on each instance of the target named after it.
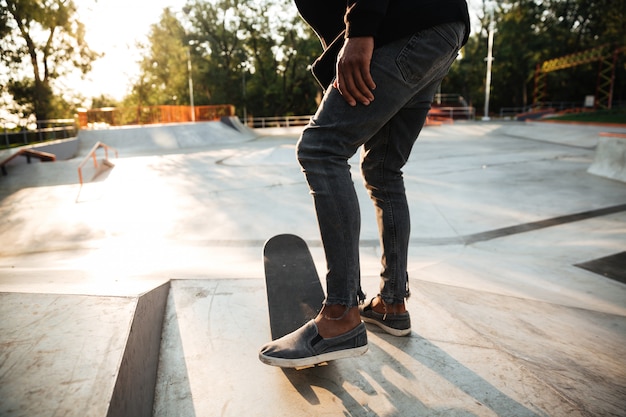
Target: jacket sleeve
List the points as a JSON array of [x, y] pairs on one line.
[[364, 17]]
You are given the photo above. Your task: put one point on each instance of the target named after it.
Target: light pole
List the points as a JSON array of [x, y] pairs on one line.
[[193, 111], [244, 69], [489, 60]]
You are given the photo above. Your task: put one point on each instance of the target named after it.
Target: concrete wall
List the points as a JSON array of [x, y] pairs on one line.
[[63, 149]]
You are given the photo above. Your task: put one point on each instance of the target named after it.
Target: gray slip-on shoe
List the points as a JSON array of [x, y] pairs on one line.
[[305, 347], [395, 324]]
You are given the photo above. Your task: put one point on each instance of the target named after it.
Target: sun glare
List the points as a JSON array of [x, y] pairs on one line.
[[115, 28]]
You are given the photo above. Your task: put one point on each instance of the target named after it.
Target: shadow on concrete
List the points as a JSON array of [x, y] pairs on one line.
[[387, 373]]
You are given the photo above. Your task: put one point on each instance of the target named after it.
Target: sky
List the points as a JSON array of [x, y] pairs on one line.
[[114, 27]]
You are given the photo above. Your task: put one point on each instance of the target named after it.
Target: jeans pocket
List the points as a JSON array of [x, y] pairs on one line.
[[429, 53]]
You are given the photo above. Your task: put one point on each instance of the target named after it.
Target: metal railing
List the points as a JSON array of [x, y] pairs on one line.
[[467, 112], [29, 154], [44, 131], [513, 111], [546, 105], [277, 121], [92, 155]]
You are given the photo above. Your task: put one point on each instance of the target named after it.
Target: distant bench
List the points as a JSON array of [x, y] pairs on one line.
[[28, 153]]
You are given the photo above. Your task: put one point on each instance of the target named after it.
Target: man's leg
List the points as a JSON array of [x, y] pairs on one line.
[[323, 152], [383, 158], [407, 73], [382, 161], [333, 136]]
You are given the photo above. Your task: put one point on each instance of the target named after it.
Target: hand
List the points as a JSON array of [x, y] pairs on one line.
[[354, 80]]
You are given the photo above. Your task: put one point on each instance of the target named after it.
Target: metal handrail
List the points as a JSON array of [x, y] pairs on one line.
[[277, 121], [452, 112], [92, 154]]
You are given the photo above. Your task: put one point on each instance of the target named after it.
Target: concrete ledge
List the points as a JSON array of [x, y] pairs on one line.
[[610, 157], [136, 380], [60, 353], [79, 355]]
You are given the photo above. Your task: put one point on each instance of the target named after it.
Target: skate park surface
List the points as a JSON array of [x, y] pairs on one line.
[[141, 292]]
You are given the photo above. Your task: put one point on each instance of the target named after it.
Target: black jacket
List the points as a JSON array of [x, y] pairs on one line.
[[385, 20]]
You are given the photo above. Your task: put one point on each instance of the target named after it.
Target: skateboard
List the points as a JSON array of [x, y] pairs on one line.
[[294, 291]]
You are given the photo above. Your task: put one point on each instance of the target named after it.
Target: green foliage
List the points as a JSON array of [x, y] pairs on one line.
[[103, 101], [43, 37], [600, 116], [529, 32], [252, 54], [256, 54], [163, 70]]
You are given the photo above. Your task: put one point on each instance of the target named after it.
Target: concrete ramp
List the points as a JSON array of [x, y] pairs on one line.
[[79, 355], [235, 123], [571, 135], [155, 139], [278, 155]]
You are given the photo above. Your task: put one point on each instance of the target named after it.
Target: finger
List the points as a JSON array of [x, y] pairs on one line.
[[369, 81], [359, 71], [362, 82], [345, 86], [358, 88], [350, 81]]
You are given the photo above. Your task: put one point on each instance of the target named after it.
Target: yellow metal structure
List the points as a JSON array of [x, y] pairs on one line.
[[605, 55]]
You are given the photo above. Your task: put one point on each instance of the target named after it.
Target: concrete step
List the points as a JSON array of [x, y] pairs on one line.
[[79, 355]]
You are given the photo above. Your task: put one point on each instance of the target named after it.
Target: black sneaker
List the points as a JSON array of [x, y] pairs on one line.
[[305, 347], [395, 324]]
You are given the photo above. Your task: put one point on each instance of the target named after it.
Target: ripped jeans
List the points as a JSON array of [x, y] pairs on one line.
[[407, 73]]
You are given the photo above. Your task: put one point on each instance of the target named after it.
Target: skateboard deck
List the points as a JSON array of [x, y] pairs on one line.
[[294, 291]]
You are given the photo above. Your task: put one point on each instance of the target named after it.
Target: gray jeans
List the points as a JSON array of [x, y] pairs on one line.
[[407, 73]]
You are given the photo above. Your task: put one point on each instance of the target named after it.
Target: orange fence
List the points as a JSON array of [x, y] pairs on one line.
[[140, 115]]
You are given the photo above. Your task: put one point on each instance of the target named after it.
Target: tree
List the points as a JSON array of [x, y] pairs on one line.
[[281, 50], [529, 32], [45, 37], [256, 54], [216, 30], [163, 68], [253, 54], [103, 101]]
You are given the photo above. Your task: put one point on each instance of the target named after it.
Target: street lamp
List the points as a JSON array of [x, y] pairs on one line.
[[244, 69], [489, 60], [193, 111]]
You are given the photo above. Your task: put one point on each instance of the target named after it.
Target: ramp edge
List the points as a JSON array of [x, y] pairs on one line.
[[134, 390]]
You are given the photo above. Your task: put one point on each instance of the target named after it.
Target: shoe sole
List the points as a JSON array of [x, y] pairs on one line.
[[390, 330], [313, 360]]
